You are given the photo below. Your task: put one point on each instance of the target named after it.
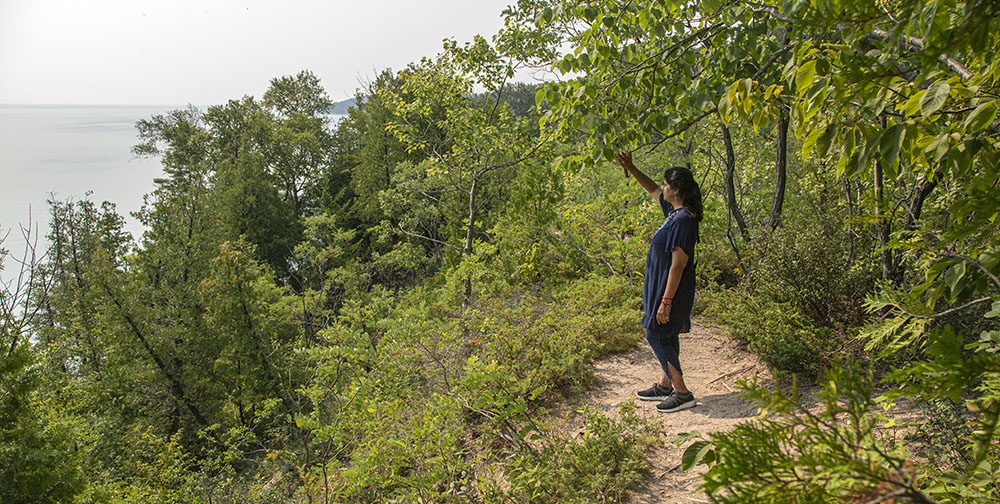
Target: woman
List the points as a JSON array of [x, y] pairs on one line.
[[668, 290]]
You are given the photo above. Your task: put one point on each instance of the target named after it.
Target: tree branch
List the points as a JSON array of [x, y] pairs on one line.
[[917, 45], [584, 252], [692, 122], [428, 238], [946, 312]]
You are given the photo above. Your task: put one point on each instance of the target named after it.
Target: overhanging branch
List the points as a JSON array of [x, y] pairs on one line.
[[917, 45]]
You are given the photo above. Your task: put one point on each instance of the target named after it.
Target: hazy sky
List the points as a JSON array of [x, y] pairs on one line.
[[208, 51]]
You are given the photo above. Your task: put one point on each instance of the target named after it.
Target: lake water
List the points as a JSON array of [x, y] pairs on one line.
[[65, 151]]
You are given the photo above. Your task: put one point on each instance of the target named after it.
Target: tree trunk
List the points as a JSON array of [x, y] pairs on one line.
[[917, 203], [731, 204], [850, 223], [883, 226], [780, 173], [469, 232], [912, 218]]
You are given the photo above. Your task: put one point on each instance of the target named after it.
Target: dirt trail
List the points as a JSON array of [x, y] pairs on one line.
[[706, 355]]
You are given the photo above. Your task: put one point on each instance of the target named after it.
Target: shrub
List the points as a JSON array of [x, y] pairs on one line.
[[807, 263], [777, 332], [552, 337], [602, 465]]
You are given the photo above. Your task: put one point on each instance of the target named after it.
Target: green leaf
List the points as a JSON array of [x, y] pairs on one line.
[[731, 95], [725, 112], [546, 15], [856, 164], [684, 437], [912, 105], [539, 97], [810, 141], [888, 145], [552, 96], [804, 77], [983, 116], [932, 273], [938, 147], [537, 392], [934, 98], [991, 260], [792, 7], [696, 453], [954, 275], [824, 142], [818, 90], [994, 310]]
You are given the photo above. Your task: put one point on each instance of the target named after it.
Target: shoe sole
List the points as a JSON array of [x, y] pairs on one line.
[[652, 398], [682, 406]]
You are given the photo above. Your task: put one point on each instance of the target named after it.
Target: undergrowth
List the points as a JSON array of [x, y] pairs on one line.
[[452, 407]]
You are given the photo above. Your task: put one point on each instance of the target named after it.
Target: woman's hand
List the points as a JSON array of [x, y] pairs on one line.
[[663, 313], [625, 159]]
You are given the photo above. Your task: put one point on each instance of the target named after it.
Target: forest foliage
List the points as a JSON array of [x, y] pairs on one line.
[[382, 308]]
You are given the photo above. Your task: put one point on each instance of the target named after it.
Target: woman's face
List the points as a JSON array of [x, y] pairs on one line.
[[669, 193]]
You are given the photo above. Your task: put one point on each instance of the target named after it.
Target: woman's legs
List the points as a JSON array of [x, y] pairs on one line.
[[677, 379], [666, 347]]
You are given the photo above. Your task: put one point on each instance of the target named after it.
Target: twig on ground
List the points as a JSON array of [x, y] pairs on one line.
[[731, 373]]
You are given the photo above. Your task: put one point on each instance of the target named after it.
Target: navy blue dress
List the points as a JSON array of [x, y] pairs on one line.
[[679, 229]]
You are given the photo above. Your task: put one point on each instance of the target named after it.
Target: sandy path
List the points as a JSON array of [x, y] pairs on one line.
[[706, 354]]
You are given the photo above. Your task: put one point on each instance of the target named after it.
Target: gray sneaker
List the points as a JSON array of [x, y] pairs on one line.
[[655, 393], [676, 402]]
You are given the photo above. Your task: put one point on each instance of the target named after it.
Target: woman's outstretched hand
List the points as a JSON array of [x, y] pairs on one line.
[[625, 159]]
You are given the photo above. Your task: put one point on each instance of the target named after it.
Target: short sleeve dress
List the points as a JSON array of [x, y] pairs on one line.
[[679, 229]]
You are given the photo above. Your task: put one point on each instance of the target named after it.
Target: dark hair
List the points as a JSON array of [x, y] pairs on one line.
[[682, 179]]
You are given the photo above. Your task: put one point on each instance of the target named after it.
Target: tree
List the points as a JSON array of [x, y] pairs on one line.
[[256, 164], [472, 149], [38, 461], [300, 141]]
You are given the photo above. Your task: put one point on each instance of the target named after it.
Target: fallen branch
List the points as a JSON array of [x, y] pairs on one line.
[[731, 373]]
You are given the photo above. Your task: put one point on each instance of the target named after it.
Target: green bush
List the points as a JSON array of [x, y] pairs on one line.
[[441, 394], [807, 263], [551, 337], [37, 459], [411, 451], [777, 332], [603, 464]]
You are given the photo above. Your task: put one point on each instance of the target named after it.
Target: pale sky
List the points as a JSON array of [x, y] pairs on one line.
[[209, 51]]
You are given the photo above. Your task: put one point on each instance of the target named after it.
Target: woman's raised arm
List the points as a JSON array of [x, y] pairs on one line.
[[654, 190]]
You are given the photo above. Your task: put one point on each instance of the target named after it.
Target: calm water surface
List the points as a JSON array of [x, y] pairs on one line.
[[65, 151]]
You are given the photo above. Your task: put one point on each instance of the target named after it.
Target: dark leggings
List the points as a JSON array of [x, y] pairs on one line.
[[666, 345]]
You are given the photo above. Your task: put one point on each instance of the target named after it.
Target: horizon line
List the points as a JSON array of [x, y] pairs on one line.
[[81, 105]]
